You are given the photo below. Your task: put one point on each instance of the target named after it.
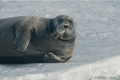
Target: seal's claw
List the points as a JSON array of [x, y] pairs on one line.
[[46, 58], [50, 58], [19, 47], [53, 56]]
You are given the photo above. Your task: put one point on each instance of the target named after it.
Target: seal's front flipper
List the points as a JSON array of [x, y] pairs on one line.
[[22, 40], [51, 58]]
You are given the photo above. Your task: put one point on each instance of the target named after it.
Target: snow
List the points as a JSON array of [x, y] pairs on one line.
[[98, 41]]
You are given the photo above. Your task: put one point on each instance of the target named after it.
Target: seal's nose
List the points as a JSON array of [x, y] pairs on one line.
[[65, 26]]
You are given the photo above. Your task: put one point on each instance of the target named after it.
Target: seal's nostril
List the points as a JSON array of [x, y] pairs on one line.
[[66, 26]]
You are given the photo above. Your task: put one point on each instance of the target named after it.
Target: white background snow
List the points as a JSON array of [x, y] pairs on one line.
[[97, 55]]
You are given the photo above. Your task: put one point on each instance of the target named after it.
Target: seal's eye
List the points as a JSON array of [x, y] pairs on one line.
[[60, 20], [70, 21]]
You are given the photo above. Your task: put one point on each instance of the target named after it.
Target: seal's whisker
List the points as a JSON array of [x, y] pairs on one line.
[[51, 34], [52, 37]]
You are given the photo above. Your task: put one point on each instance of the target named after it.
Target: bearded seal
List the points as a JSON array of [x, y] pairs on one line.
[[37, 39]]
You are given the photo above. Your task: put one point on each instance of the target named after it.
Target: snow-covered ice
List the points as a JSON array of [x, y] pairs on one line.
[[97, 54]]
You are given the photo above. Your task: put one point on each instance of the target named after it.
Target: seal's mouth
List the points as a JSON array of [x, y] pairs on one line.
[[64, 39], [56, 35]]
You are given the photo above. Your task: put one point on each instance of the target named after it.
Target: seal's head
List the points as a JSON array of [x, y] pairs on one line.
[[64, 27]]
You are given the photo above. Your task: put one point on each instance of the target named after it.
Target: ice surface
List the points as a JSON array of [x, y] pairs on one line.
[[97, 56]]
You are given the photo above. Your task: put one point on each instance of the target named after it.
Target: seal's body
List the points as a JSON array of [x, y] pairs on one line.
[[36, 39]]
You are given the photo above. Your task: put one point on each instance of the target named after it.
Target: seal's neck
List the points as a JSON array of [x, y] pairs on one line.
[[50, 27]]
